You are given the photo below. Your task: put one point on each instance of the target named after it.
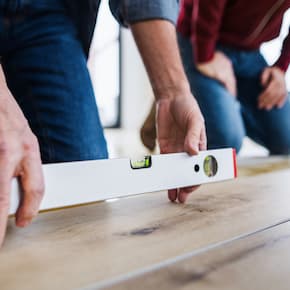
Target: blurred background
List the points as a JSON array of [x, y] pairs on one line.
[[123, 91]]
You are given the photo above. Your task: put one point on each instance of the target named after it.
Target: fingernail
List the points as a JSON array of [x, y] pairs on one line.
[[182, 197], [182, 200]]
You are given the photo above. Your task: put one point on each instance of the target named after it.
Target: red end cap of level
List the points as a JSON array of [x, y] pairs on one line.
[[235, 163]]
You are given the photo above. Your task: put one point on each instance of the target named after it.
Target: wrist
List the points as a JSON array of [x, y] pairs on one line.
[[280, 70], [11, 116], [172, 90]]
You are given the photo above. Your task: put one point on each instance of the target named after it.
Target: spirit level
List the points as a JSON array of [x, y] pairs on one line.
[[74, 183]]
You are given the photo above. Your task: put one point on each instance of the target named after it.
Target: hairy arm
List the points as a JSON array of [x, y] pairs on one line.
[[180, 125]]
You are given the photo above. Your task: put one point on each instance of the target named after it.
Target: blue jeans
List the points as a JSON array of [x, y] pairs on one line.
[[46, 71], [228, 119]]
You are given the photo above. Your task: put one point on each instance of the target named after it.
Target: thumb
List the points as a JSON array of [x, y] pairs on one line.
[[266, 76], [192, 139]]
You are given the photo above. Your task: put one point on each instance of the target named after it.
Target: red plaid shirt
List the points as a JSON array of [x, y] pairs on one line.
[[241, 24]]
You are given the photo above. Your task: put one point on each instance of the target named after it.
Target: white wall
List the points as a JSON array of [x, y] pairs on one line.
[[272, 49], [137, 95], [104, 65]]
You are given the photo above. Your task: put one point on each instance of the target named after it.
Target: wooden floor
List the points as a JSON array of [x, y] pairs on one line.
[[230, 235], [259, 261]]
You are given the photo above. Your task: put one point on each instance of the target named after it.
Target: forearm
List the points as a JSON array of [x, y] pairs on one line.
[[2, 80], [157, 43]]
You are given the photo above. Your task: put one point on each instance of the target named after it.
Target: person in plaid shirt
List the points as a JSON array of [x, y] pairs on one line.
[[238, 92]]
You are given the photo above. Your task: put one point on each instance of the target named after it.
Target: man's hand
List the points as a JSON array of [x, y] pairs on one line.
[[19, 157], [180, 127], [180, 124], [275, 89], [220, 68]]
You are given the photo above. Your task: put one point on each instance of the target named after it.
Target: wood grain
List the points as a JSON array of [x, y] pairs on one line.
[[262, 165], [80, 246], [260, 261]]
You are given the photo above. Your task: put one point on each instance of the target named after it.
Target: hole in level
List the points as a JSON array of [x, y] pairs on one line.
[[210, 166], [196, 168]]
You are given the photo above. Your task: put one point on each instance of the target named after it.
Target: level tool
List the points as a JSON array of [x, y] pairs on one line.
[[74, 183]]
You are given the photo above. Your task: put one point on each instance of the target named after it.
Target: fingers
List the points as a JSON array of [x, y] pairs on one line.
[[203, 140], [185, 192], [225, 73], [221, 69], [6, 175], [229, 82], [192, 140], [267, 98], [266, 77], [195, 138], [282, 102], [271, 102], [33, 189], [172, 195], [275, 92], [273, 96], [181, 194]]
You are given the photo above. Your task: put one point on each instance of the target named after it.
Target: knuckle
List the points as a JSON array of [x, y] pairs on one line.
[[30, 146], [202, 142], [28, 214], [38, 191]]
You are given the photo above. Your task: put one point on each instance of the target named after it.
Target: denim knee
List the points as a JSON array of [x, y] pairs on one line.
[[279, 146], [226, 138]]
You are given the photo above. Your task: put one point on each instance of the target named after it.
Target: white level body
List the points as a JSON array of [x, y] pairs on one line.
[[74, 183]]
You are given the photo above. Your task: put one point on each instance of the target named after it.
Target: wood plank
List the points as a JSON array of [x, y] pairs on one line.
[[260, 261], [261, 165], [80, 246]]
